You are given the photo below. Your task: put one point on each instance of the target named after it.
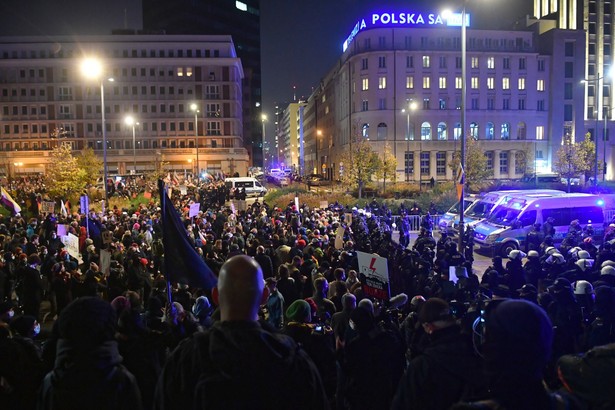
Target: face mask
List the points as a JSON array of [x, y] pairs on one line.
[[37, 329]]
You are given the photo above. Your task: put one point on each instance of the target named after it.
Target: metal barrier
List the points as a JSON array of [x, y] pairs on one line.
[[608, 215], [415, 222]]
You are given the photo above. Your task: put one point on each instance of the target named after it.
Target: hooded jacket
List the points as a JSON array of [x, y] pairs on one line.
[[89, 378], [238, 365]]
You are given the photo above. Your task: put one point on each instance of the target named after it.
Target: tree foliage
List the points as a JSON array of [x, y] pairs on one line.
[[360, 164], [91, 165], [575, 159], [476, 173], [387, 167], [63, 176], [159, 171]]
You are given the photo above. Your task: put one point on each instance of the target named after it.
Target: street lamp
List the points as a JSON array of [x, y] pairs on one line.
[[412, 106], [462, 156], [263, 120], [130, 121], [318, 135], [195, 109], [92, 68]]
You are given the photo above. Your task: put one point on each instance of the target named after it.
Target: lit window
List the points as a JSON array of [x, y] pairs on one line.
[[365, 84], [540, 132], [426, 63], [189, 72], [426, 83], [180, 72], [521, 83], [474, 62], [241, 6], [474, 82], [491, 63], [409, 82], [442, 82], [382, 83], [458, 83], [490, 83], [505, 83], [540, 85]]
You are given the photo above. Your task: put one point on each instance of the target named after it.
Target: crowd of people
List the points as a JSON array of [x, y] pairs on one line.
[[289, 324]]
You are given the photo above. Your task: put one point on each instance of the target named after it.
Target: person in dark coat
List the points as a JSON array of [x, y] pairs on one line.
[[264, 261], [88, 371], [32, 287], [237, 363], [372, 363], [446, 371]]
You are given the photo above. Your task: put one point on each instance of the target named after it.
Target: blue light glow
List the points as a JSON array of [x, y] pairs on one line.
[[600, 202]]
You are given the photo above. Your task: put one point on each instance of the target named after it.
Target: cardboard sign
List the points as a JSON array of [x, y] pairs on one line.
[[348, 218], [47, 207], [194, 209], [297, 203], [339, 238], [324, 204], [374, 275], [71, 243], [107, 237], [147, 195], [105, 262], [62, 230], [183, 189]]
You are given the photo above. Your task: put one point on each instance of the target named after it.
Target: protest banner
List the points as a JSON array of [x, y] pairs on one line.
[[71, 243], [194, 209], [47, 207], [339, 238], [107, 237], [374, 275], [324, 204], [105, 262]]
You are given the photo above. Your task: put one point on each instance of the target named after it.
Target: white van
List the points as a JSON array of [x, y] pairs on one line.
[[481, 209], [446, 221], [252, 185], [507, 226]]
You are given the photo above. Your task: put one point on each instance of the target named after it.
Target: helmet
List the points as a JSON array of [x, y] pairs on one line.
[[516, 254], [583, 254], [550, 250], [585, 264], [583, 287], [533, 254]]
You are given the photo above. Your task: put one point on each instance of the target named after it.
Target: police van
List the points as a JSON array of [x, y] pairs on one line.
[[506, 228], [252, 186]]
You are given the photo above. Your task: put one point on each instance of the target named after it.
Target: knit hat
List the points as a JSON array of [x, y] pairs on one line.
[[433, 310], [87, 322], [518, 339], [299, 311], [119, 304]]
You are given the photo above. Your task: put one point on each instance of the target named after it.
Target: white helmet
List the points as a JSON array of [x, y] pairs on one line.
[[583, 287]]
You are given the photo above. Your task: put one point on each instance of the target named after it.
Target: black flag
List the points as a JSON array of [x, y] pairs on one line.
[[182, 263]]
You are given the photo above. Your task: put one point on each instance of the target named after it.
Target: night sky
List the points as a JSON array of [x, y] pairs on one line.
[[300, 40]]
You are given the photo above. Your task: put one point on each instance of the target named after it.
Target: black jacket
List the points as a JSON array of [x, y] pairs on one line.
[[89, 379], [445, 373], [238, 365]]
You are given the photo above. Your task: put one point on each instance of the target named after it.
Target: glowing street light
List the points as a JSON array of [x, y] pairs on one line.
[[195, 109], [130, 121]]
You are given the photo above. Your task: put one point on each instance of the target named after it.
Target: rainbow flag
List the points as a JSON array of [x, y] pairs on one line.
[[9, 203]]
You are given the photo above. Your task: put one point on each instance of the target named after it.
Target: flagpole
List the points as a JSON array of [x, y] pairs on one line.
[[163, 198]]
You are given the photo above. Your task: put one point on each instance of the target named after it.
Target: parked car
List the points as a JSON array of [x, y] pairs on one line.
[[281, 181]]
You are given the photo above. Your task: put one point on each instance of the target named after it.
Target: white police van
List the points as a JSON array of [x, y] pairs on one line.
[[507, 226]]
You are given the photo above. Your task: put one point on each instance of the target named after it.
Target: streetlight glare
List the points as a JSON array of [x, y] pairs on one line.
[[413, 105], [91, 68], [263, 117], [129, 120], [194, 107]]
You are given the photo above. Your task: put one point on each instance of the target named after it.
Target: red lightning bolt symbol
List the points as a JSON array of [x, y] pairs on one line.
[[371, 265]]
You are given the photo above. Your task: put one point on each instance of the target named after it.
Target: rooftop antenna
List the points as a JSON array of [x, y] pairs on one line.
[[294, 93]]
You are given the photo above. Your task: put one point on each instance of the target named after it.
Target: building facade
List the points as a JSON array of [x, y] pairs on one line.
[[595, 18], [241, 20], [45, 100], [291, 130], [520, 102]]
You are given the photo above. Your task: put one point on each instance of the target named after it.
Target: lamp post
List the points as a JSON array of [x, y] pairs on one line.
[[263, 120], [318, 135], [195, 109], [605, 114], [462, 153], [92, 68], [412, 106], [130, 121]]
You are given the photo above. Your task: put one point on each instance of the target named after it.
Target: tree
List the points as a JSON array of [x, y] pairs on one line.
[[476, 172], [159, 171], [91, 165], [575, 159], [63, 176], [360, 164], [387, 167]]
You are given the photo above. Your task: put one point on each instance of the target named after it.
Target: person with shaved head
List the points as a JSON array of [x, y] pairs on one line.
[[237, 363]]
